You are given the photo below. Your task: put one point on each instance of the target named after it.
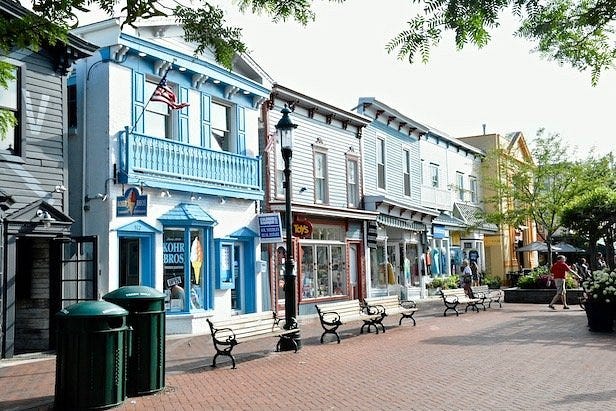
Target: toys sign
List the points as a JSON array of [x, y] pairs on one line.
[[302, 229]]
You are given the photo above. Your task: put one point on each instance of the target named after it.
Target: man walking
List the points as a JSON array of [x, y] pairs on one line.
[[559, 271]]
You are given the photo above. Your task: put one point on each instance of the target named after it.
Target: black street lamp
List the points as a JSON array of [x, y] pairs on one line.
[[285, 128]]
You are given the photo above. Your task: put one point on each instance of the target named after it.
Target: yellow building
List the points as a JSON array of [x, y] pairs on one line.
[[502, 258]]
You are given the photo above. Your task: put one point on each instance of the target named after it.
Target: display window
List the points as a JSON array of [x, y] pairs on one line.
[[184, 272]]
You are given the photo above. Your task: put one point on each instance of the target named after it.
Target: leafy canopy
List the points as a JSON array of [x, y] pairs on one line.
[[579, 33]]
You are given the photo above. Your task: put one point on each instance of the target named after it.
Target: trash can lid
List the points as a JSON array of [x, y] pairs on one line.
[[134, 292], [92, 309]]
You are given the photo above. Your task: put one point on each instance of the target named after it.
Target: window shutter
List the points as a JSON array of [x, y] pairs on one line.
[[138, 101], [183, 116], [206, 127], [241, 130]]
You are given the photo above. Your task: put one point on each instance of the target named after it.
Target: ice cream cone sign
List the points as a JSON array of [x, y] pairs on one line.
[[196, 257], [131, 201]]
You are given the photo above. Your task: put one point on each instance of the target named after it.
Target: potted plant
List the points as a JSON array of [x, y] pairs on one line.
[[600, 301]]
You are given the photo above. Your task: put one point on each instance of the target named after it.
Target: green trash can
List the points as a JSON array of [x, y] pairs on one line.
[[92, 351], [146, 317]]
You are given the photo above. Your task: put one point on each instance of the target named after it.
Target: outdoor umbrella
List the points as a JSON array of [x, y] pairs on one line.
[[569, 248], [538, 246]]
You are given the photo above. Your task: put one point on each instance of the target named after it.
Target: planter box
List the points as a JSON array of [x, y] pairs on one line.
[[539, 296]]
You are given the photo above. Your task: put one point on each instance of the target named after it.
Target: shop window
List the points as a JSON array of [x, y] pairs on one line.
[[323, 270], [224, 265], [184, 262]]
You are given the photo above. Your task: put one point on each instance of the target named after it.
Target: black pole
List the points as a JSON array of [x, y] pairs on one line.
[[290, 307]]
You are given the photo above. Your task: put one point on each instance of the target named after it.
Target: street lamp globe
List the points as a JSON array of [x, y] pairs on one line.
[[285, 128]]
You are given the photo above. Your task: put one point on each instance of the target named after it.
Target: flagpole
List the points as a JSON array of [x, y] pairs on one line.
[[150, 99]]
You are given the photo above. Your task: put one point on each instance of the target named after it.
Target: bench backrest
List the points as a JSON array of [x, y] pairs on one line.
[[347, 308], [481, 289], [456, 292], [245, 325], [388, 302]]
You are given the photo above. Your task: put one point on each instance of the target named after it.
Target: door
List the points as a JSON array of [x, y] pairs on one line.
[[353, 271], [309, 280], [130, 261], [237, 303]]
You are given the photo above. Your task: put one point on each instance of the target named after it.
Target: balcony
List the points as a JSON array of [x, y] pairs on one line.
[[179, 166]]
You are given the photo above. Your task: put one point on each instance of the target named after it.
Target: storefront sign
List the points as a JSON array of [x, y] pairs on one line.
[[302, 229], [174, 281], [132, 204], [438, 231], [173, 253], [270, 228]]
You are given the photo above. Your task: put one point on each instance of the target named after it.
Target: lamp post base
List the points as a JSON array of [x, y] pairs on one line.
[[291, 344]]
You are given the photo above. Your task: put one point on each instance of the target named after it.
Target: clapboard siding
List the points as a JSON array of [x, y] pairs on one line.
[[43, 145], [335, 142]]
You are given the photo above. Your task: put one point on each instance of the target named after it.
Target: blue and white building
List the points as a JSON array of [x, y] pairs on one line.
[[169, 195]]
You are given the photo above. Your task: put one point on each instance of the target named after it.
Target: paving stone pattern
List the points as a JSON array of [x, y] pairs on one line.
[[520, 357]]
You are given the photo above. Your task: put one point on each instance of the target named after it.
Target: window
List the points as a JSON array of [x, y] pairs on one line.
[[279, 169], [9, 101], [472, 187], [352, 183], [460, 185], [380, 161], [320, 178], [221, 125], [406, 171], [434, 178], [157, 117]]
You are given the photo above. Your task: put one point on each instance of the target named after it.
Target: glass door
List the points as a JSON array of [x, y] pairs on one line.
[[338, 266], [309, 280], [323, 265]]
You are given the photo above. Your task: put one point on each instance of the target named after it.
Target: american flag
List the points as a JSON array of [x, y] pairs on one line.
[[164, 94]]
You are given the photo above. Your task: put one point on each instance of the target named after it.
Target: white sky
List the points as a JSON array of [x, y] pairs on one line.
[[341, 57]]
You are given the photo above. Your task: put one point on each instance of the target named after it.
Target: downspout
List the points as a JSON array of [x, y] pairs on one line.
[[84, 144]]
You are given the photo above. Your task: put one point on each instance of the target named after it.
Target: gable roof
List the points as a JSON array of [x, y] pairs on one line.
[[473, 217], [185, 214]]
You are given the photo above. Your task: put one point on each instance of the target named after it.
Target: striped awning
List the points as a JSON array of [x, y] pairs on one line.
[[400, 223]]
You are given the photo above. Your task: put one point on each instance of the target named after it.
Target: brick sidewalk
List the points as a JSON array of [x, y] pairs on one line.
[[520, 357]]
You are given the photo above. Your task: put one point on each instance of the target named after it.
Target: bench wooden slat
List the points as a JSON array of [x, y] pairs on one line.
[[228, 332], [453, 297], [390, 305], [488, 295], [334, 314]]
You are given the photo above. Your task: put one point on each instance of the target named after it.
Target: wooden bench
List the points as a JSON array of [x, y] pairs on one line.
[[390, 305], [333, 315], [456, 296], [231, 331], [487, 296]]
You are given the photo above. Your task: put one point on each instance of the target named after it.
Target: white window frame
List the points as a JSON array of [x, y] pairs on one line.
[[460, 185], [13, 141], [406, 171], [159, 110], [381, 171], [352, 184], [320, 197], [434, 175], [472, 187], [225, 133]]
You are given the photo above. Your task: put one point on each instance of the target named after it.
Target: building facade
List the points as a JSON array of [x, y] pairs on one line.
[[392, 186], [168, 170], [329, 224], [38, 259], [502, 258]]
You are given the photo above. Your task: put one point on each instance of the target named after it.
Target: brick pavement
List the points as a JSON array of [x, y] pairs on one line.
[[520, 357]]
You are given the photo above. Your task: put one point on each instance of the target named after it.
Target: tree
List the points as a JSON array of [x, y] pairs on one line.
[[575, 32], [538, 191], [592, 215]]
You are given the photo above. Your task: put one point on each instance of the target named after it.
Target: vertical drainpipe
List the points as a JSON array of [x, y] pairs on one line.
[[84, 143]]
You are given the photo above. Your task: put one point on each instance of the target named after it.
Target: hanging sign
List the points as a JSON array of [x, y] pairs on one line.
[[302, 229], [132, 204], [270, 228]]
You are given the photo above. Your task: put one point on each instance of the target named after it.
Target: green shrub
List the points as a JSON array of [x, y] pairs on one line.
[[452, 282], [540, 278], [436, 283], [492, 282]]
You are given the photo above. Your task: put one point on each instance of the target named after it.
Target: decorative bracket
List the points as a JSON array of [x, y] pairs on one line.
[[161, 67], [198, 80], [118, 52]]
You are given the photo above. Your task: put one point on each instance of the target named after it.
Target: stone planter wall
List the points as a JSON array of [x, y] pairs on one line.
[[539, 296]]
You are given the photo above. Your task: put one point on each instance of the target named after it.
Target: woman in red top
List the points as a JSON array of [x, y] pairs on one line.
[[559, 271]]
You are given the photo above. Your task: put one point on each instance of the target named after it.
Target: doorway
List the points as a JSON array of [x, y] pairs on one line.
[[130, 265]]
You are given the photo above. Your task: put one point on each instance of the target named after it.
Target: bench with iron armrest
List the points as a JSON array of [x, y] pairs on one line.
[[390, 305], [452, 298], [486, 295], [231, 331], [333, 315]]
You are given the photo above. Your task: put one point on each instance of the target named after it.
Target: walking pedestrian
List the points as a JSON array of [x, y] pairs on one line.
[[559, 271], [467, 278], [475, 270]]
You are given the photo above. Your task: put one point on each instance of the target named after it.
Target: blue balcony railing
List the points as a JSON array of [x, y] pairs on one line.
[[188, 167]]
